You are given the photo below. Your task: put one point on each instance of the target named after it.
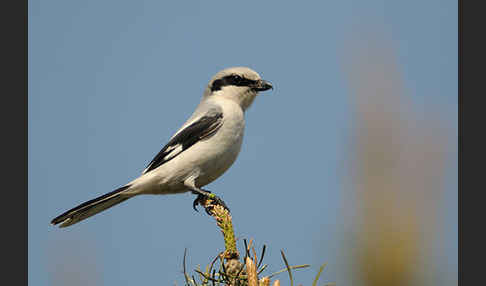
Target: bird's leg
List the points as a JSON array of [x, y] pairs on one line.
[[203, 195]]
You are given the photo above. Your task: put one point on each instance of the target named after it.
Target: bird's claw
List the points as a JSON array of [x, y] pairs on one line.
[[220, 202], [201, 197], [198, 199]]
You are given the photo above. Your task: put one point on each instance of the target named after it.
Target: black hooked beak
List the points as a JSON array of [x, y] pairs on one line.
[[262, 85]]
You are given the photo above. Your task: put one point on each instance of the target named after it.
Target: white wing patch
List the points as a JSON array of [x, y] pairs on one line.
[[174, 151]]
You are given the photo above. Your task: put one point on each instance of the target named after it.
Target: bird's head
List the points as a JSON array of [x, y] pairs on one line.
[[239, 84]]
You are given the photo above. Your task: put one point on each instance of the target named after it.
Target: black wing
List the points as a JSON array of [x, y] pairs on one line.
[[201, 129]]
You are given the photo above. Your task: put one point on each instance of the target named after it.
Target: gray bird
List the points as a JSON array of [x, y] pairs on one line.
[[198, 153]]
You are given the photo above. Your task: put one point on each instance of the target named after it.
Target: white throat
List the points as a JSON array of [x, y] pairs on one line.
[[243, 96]]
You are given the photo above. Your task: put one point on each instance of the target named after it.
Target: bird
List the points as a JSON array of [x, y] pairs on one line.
[[204, 148]]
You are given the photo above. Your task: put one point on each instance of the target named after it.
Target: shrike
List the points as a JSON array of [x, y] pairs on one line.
[[198, 153]]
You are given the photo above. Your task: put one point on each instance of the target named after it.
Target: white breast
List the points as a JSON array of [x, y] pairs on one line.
[[223, 148]]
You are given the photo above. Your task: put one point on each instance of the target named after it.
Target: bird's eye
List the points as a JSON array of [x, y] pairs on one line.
[[236, 78]]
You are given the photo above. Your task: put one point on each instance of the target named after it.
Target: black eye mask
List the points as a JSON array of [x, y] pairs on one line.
[[235, 80]]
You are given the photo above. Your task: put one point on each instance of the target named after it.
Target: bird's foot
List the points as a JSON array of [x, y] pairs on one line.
[[203, 195]]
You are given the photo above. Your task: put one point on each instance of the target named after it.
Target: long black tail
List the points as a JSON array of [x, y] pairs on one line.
[[91, 207]]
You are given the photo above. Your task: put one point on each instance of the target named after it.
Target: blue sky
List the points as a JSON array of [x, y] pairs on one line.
[[110, 81]]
